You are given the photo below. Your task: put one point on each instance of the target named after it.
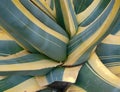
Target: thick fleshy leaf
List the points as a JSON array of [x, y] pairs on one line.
[[109, 49], [59, 74], [92, 12], [95, 77], [44, 6], [109, 53], [82, 44], [88, 10], [51, 4], [59, 14], [74, 88], [7, 45], [25, 63], [32, 33], [19, 84], [114, 67], [69, 16], [81, 5], [43, 17], [42, 29], [116, 28]]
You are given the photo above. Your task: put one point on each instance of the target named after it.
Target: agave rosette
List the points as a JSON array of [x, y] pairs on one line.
[[44, 41]]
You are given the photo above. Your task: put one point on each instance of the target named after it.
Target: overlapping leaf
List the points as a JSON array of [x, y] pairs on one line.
[[49, 36]]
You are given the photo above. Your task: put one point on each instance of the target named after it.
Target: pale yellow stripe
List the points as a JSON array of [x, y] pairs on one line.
[[0, 28], [42, 81], [81, 29], [83, 15], [54, 10], [94, 71], [47, 6], [118, 33], [74, 56], [12, 38], [47, 1], [74, 88], [38, 23], [71, 74], [39, 36], [19, 54], [69, 23], [4, 36], [112, 39], [2, 77], [103, 72], [114, 69], [101, 77], [112, 64], [29, 66], [43, 9], [29, 85], [72, 4]]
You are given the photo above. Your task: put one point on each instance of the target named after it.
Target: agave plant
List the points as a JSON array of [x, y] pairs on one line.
[[49, 45]]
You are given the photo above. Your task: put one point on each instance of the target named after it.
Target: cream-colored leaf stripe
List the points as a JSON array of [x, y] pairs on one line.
[[70, 74], [65, 75], [38, 23], [42, 81], [44, 7], [29, 66], [2, 77], [29, 85], [108, 76], [115, 69], [10, 37], [110, 64], [68, 19], [83, 15], [74, 88], [118, 33], [81, 29], [103, 72], [4, 36], [16, 55], [77, 53], [112, 39], [47, 4]]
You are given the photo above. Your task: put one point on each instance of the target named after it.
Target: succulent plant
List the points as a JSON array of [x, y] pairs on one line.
[[59, 45]]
